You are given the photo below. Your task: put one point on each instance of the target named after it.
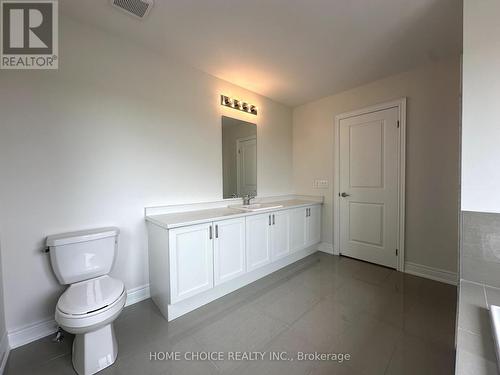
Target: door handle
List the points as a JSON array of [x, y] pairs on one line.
[[210, 233], [269, 220], [216, 231], [343, 195], [273, 220]]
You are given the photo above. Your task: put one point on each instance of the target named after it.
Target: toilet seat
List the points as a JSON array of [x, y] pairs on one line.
[[83, 323], [90, 296], [90, 304]]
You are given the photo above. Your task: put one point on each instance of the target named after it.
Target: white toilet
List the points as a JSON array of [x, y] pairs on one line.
[[93, 300]]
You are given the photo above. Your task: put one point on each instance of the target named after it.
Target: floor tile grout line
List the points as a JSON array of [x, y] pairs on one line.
[[392, 354], [313, 283]]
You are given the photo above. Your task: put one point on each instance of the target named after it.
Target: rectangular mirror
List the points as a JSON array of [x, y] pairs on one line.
[[239, 158]]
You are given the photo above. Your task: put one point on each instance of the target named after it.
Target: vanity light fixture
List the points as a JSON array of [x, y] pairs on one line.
[[238, 104]]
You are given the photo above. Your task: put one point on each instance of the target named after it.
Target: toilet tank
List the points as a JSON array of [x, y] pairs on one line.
[[82, 255]]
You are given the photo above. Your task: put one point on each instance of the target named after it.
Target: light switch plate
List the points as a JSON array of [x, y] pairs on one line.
[[320, 184]]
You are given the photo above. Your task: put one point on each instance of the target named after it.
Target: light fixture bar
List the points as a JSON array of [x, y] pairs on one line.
[[226, 101]]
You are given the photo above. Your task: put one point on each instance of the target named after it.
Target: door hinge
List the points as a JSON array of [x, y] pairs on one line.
[[398, 124], [397, 252]]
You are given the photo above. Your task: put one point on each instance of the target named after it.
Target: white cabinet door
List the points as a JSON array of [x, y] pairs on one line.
[[258, 240], [313, 234], [280, 234], [191, 261], [297, 229], [229, 250]]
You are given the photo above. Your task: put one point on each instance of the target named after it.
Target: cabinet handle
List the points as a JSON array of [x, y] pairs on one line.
[[210, 233], [273, 220], [307, 212], [217, 231], [269, 219]]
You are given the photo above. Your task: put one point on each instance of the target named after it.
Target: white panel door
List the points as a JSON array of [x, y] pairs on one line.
[[298, 229], [229, 249], [258, 240], [313, 234], [191, 261], [369, 187], [247, 166], [280, 234]]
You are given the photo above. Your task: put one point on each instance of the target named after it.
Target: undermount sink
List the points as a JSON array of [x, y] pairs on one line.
[[256, 207]]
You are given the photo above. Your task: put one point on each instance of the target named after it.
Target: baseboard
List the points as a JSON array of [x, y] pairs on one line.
[[138, 294], [31, 332], [4, 352], [326, 247], [35, 331], [432, 273]]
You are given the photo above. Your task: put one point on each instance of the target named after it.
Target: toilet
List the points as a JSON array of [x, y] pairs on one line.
[[93, 299]]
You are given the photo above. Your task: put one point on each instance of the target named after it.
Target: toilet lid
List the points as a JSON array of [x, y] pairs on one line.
[[90, 295]]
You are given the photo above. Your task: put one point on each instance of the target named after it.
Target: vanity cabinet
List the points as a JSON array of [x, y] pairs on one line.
[[258, 240], [305, 227], [191, 261], [280, 234], [313, 225], [205, 255], [268, 238], [298, 228], [193, 264], [229, 249]]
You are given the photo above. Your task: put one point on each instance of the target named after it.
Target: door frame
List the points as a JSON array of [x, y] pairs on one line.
[[400, 104], [238, 156]]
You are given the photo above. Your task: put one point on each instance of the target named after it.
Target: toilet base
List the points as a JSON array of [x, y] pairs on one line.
[[94, 351]]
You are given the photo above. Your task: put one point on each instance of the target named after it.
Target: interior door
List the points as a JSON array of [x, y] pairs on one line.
[[280, 234], [258, 240], [229, 250], [369, 186], [191, 260], [247, 166]]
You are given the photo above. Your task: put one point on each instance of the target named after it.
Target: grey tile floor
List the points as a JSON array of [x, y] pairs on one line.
[[389, 322]]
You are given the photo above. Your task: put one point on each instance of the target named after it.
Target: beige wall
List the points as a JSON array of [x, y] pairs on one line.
[[432, 170], [481, 108], [3, 331], [480, 257], [115, 129]]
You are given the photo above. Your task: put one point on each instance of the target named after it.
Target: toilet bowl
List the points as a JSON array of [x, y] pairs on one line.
[[93, 300]]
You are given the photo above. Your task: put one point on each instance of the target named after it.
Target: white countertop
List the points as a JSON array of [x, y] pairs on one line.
[[181, 219]]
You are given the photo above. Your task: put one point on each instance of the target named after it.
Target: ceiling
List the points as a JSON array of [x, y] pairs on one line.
[[292, 51]]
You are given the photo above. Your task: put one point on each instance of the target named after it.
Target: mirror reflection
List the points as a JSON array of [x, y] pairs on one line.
[[239, 158]]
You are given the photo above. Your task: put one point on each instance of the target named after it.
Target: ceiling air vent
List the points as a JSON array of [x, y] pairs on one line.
[[136, 8]]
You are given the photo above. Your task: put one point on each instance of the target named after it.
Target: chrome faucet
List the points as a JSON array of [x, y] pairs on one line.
[[246, 199]]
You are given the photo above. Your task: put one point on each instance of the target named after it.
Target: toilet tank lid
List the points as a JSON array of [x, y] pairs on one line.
[[81, 236]]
